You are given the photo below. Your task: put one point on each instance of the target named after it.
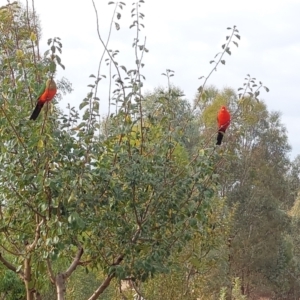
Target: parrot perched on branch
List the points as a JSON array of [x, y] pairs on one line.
[[46, 93], [223, 123]]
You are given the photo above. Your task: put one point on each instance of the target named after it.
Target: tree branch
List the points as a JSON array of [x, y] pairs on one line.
[[13, 127], [107, 51], [137, 290], [50, 271], [74, 264], [102, 287], [9, 266], [84, 263], [107, 281], [37, 236]]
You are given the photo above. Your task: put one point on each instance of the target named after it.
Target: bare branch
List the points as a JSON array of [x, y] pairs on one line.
[[50, 271], [13, 127], [225, 50], [84, 263], [9, 266], [74, 264], [107, 281], [9, 251], [37, 236], [137, 290], [102, 287], [106, 45], [108, 53]]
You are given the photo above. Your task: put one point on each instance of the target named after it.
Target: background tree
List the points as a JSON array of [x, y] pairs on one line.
[[70, 197]]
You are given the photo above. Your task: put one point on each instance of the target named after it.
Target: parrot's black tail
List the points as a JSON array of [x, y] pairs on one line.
[[36, 111], [220, 137]]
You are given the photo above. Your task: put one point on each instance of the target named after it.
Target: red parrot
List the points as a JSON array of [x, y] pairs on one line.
[[223, 123], [46, 93]]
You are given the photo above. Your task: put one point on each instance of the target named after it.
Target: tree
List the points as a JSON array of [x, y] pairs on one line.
[[71, 198], [255, 181]]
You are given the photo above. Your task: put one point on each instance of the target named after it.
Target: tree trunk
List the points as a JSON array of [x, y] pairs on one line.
[[38, 296], [29, 294], [60, 287], [60, 279], [27, 280]]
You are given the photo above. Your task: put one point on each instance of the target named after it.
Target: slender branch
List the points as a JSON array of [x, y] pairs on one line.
[[37, 236], [84, 263], [7, 235], [50, 271], [137, 290], [138, 74], [109, 99], [121, 291], [45, 119], [74, 264], [34, 210], [36, 28], [215, 67], [138, 221], [13, 127], [9, 265], [25, 203], [106, 282], [9, 251], [102, 287], [110, 56], [136, 235], [107, 41]]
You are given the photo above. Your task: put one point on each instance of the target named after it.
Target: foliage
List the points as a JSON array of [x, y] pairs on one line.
[[142, 195], [122, 202], [11, 287], [255, 183]]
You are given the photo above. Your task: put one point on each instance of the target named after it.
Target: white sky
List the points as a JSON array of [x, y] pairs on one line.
[[184, 36]]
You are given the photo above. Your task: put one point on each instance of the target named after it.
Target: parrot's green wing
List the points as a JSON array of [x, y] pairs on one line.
[[42, 90]]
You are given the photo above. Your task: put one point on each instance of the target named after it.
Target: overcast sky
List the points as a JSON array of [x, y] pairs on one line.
[[184, 36]]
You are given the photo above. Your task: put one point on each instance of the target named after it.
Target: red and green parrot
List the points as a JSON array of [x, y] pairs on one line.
[[223, 122], [46, 93]]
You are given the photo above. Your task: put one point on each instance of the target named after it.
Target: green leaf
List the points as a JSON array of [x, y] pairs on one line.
[[83, 104], [228, 50], [195, 262], [52, 67]]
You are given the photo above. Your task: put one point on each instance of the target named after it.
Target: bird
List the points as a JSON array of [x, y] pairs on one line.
[[223, 122], [46, 93]]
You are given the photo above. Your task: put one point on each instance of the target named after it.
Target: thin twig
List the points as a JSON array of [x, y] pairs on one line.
[[110, 56], [36, 238], [50, 271], [13, 127]]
